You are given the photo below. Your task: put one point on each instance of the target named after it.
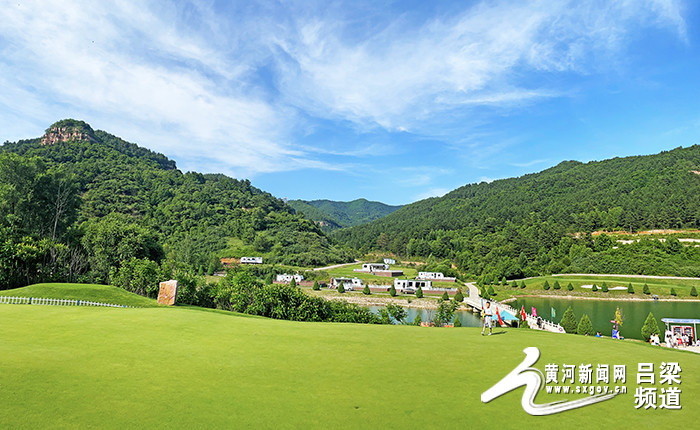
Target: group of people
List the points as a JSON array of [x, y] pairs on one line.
[[674, 340]]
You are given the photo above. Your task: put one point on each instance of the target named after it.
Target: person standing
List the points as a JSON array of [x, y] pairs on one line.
[[488, 318]]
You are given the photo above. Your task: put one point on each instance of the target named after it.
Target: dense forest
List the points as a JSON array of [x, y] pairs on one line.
[[332, 215], [541, 223], [80, 204]]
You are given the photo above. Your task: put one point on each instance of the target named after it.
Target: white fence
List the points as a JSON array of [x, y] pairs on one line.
[[12, 300]]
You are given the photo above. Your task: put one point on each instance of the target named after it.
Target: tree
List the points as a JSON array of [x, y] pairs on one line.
[[459, 297], [316, 286], [492, 292], [693, 291], [546, 285], [570, 287], [503, 281], [594, 288], [457, 322], [444, 313], [584, 326], [619, 317], [392, 291], [397, 312], [630, 289], [341, 288], [568, 321], [445, 296], [417, 320], [522, 285], [419, 293], [269, 278], [605, 287], [514, 284], [556, 285], [293, 282], [673, 292], [646, 289], [366, 290], [651, 326]]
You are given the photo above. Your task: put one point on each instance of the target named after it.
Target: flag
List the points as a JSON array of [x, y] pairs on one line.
[[482, 305], [500, 321], [554, 313], [534, 312], [523, 314]]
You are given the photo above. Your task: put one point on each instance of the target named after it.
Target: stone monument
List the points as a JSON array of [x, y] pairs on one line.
[[167, 293]]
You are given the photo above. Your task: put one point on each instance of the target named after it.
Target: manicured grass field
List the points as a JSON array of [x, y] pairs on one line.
[[660, 287], [91, 292], [180, 367]]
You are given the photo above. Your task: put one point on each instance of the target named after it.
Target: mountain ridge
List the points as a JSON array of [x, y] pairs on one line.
[[332, 215]]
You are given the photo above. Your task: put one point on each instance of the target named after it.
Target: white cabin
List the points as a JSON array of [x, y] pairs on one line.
[[251, 260], [389, 261], [286, 278], [431, 275], [349, 284], [412, 284]]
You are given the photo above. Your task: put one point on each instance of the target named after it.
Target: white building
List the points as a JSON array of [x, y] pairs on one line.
[[411, 285], [251, 260], [349, 284], [389, 261], [431, 275], [286, 278], [373, 267]]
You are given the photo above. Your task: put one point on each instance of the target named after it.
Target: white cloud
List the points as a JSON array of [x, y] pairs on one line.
[[433, 192]]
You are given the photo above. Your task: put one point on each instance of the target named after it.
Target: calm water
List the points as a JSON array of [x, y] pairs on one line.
[[602, 311], [467, 318]]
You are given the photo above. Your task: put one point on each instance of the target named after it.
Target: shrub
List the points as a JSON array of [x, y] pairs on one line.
[[630, 289], [457, 322], [594, 288], [397, 312], [522, 285], [556, 285], [673, 292], [445, 296], [546, 285], [492, 292], [651, 326], [417, 320], [514, 284], [392, 291], [646, 289], [419, 293], [568, 321], [585, 326], [366, 290], [316, 286], [693, 292], [503, 281], [570, 287], [459, 297], [293, 282], [605, 288], [341, 288]]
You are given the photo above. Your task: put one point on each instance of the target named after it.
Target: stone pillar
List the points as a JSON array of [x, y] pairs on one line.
[[167, 293]]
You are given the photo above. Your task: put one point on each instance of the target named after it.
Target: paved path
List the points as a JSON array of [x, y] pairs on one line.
[[335, 266]]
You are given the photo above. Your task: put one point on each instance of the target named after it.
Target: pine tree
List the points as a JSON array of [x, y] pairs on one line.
[[594, 288], [556, 285], [417, 320], [605, 287], [293, 282], [546, 285], [503, 281], [445, 296], [366, 291], [630, 289], [492, 292], [568, 321], [646, 289], [392, 291], [341, 288], [522, 285], [459, 297], [514, 284], [585, 326], [651, 326], [570, 287], [269, 279], [419, 293], [693, 292], [316, 286], [457, 322], [673, 292]]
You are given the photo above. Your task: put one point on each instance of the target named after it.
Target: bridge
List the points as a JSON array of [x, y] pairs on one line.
[[474, 300]]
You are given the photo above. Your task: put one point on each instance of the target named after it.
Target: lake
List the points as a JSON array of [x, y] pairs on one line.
[[602, 311], [467, 318]]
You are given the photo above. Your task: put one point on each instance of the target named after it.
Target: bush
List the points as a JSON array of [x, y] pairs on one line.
[[594, 287], [522, 285], [605, 287], [651, 326], [392, 291], [503, 281], [444, 313], [546, 285], [630, 289], [417, 320], [646, 289], [556, 285], [459, 297], [293, 282], [514, 284], [316, 287], [568, 321], [693, 292], [585, 326], [673, 292], [341, 288], [570, 287], [397, 312], [445, 296], [457, 322], [492, 292], [419, 293], [366, 291]]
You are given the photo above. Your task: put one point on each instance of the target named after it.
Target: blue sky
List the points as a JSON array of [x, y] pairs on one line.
[[390, 101]]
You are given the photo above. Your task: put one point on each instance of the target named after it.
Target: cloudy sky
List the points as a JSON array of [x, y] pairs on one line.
[[391, 101]]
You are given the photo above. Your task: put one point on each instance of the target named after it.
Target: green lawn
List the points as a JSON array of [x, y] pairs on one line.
[[660, 287], [178, 367], [91, 292]]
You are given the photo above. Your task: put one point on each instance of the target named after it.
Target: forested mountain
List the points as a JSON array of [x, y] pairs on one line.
[[80, 202], [332, 215], [527, 225]]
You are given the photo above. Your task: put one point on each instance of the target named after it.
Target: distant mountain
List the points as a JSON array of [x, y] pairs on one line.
[[527, 225], [331, 215]]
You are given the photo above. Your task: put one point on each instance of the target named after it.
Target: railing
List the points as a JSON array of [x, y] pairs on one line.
[[13, 300]]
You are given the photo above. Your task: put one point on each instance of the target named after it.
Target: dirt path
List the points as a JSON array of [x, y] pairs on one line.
[[335, 266]]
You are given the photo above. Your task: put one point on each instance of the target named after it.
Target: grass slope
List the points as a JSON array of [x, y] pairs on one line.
[[91, 292], [69, 367]]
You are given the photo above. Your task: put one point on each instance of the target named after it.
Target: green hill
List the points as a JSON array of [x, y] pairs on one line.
[[81, 188], [526, 226], [89, 292], [332, 215], [69, 367]]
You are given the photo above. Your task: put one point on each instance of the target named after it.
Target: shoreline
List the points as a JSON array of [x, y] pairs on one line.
[[430, 303], [609, 299]]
